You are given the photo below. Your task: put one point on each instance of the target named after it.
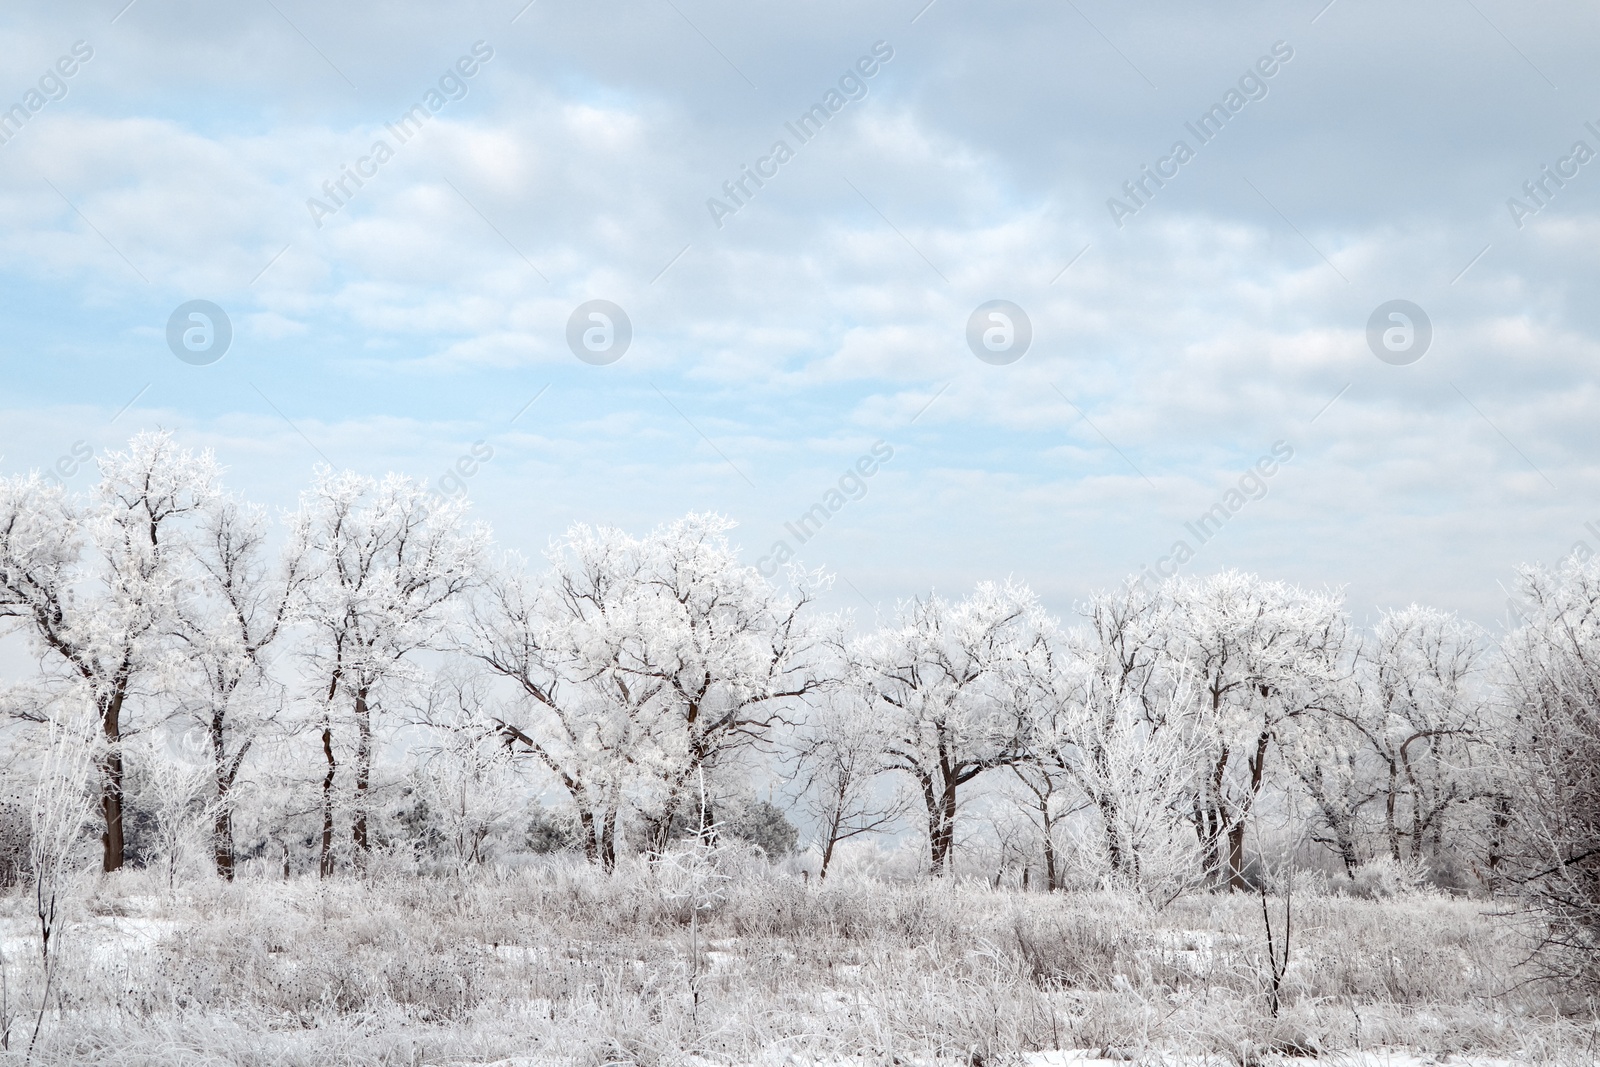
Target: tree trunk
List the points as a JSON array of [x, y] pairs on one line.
[[1236, 856], [1498, 823], [708, 819], [222, 836], [1258, 773], [358, 829], [830, 836], [1207, 829], [661, 826], [930, 801], [1338, 817], [608, 840], [1108, 816], [943, 826], [225, 772], [1346, 844], [111, 799], [325, 862], [1417, 797], [1389, 823], [1050, 885], [591, 834], [1211, 819]]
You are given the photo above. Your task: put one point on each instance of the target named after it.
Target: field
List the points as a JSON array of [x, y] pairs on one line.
[[556, 963]]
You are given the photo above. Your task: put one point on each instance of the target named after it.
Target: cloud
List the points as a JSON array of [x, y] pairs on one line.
[[1229, 313]]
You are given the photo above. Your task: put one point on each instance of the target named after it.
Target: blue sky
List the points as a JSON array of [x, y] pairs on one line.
[[830, 311]]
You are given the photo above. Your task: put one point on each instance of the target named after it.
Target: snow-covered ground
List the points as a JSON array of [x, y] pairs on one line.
[[557, 964]]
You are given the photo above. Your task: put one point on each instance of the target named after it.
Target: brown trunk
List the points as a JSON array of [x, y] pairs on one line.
[[225, 773], [661, 827], [358, 829], [1416, 797], [943, 828], [111, 800], [111, 807], [1347, 848], [591, 835], [830, 836], [1206, 832], [325, 863], [1258, 771], [1049, 851], [1389, 823], [1500, 821], [1236, 857], [1108, 815], [1210, 819], [708, 819]]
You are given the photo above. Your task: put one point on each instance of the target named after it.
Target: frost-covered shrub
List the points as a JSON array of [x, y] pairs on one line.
[[764, 825], [549, 831], [1384, 879]]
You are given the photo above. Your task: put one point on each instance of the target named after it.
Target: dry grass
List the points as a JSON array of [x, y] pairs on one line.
[[558, 964]]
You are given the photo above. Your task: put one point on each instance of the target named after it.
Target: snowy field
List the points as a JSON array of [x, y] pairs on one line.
[[560, 964]]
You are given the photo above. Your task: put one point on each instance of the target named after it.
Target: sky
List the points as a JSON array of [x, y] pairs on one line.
[[1182, 336]]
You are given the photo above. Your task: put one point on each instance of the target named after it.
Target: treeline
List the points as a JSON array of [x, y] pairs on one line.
[[215, 665]]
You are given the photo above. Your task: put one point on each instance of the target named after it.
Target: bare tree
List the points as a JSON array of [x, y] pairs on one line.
[[839, 759], [227, 628], [97, 586], [565, 642], [59, 811], [1551, 737], [1260, 654], [466, 781], [735, 658], [386, 565], [1426, 721], [952, 681]]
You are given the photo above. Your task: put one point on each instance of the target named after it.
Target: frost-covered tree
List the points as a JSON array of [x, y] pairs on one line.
[[838, 755], [1257, 655], [1108, 723], [1399, 731], [568, 643], [1111, 676], [1426, 722], [173, 791], [60, 809], [97, 586], [1550, 742], [734, 656], [385, 565], [1331, 756], [237, 610], [467, 781], [952, 682]]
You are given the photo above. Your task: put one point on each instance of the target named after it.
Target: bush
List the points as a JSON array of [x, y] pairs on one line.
[[549, 832], [1384, 879], [764, 825]]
